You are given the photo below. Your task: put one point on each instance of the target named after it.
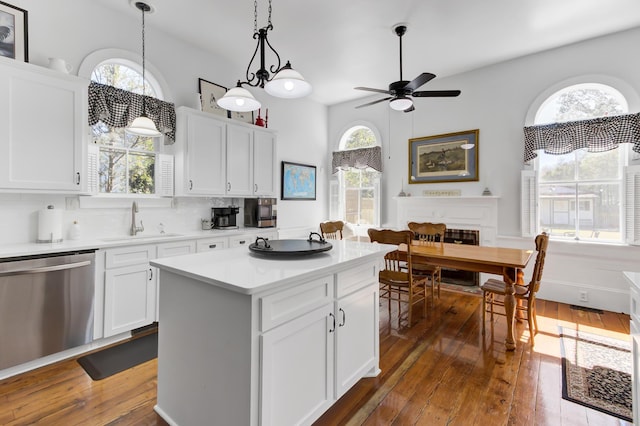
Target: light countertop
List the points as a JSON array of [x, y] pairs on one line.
[[240, 270], [30, 249]]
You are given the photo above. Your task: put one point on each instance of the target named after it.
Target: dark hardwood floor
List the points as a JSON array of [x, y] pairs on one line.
[[441, 371]]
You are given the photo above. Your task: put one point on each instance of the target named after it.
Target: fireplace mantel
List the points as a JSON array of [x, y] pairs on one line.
[[478, 212]]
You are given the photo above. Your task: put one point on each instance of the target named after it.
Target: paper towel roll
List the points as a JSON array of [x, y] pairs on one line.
[[49, 225]]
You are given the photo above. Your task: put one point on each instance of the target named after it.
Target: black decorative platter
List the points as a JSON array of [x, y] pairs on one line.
[[289, 248]]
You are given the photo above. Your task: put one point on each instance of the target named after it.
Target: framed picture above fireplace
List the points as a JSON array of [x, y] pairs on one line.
[[450, 157]]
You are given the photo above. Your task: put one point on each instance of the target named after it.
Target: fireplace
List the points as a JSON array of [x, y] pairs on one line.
[[454, 276]]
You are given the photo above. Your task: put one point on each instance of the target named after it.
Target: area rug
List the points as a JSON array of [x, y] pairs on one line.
[[115, 359], [596, 372]]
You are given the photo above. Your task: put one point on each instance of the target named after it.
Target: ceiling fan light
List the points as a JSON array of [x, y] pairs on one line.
[[143, 126], [400, 103], [288, 83], [238, 99]]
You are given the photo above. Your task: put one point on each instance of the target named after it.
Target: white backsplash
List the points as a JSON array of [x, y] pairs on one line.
[[19, 216]]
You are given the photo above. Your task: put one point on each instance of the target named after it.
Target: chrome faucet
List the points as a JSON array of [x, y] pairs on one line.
[[135, 229]]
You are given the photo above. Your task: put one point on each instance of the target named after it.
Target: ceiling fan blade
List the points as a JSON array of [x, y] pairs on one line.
[[369, 89], [374, 102], [436, 93], [411, 108], [419, 81]]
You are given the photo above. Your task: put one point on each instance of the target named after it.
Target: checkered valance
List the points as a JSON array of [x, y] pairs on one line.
[[595, 135], [118, 108], [359, 158]]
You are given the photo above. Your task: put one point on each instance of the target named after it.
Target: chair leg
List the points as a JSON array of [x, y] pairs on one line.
[[439, 281], [484, 310]]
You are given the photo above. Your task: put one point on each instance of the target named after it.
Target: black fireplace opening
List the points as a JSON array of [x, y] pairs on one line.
[[454, 276]]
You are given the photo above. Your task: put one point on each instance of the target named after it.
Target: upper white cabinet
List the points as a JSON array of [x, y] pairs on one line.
[[200, 153], [215, 156], [264, 163], [43, 128]]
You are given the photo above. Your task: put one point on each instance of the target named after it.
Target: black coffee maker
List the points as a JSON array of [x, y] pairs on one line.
[[224, 217]]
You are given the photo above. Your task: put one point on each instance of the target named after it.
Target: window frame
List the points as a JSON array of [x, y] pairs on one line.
[[629, 175]]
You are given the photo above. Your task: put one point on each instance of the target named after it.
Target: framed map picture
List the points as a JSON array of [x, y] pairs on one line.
[[298, 181], [209, 95]]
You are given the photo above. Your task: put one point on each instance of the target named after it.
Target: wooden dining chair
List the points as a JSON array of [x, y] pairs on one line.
[[523, 293], [332, 230], [396, 283], [429, 233]]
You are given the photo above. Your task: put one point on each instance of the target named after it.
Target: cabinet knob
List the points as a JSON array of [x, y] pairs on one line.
[[242, 242], [212, 246]]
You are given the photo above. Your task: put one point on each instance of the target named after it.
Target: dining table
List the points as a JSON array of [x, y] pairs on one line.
[[509, 263]]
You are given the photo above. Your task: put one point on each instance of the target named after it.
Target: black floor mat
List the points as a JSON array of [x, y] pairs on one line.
[[118, 358]]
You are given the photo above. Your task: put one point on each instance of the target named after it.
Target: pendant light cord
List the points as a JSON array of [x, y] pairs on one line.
[[144, 80], [255, 17]]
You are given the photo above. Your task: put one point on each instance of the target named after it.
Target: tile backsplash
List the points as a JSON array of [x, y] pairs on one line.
[[19, 215]]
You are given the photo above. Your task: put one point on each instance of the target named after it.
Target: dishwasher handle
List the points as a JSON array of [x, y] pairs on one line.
[[42, 269]]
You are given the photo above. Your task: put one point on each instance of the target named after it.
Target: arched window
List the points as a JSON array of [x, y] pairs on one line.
[[126, 162], [355, 192], [580, 193]]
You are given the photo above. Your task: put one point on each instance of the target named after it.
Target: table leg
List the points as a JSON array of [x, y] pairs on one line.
[[509, 306]]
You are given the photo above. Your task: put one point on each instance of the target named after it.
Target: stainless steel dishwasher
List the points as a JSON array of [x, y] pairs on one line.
[[46, 305]]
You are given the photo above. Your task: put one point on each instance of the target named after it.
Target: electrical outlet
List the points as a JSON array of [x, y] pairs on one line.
[[584, 296]]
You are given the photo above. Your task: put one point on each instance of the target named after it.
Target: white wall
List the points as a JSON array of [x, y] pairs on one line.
[[73, 29], [496, 99]]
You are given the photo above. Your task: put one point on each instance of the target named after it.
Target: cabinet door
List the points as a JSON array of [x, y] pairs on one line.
[[357, 337], [264, 163], [297, 369], [43, 127], [129, 298], [211, 244], [176, 248], [206, 156], [239, 160]]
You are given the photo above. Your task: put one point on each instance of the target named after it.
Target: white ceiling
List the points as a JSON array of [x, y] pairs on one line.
[[340, 44]]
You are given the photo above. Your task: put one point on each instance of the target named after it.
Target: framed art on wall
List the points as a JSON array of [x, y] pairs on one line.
[[13, 32], [450, 157], [298, 181], [209, 95], [246, 117]]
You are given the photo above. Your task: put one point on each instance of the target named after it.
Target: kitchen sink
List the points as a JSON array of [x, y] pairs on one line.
[[141, 237]]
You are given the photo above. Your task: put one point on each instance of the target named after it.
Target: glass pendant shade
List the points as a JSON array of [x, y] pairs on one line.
[[288, 83], [143, 126], [401, 103], [238, 99]]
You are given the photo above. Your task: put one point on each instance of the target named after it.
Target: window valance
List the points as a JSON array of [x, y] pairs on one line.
[[359, 158], [594, 135], [118, 108]]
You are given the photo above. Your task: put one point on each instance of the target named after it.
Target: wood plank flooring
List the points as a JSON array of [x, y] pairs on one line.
[[441, 371]]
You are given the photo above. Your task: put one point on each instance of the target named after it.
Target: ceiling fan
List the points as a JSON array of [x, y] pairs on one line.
[[402, 91]]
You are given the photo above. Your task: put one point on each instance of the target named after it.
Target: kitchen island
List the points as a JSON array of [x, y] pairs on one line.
[[252, 340]]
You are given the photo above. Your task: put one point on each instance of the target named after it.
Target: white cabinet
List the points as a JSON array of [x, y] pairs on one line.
[[264, 163], [216, 157], [634, 290], [215, 243], [314, 355], [239, 160], [130, 289], [200, 154], [167, 250], [43, 129]]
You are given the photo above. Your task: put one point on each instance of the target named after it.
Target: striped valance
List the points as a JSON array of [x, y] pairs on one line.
[[360, 158], [594, 135], [118, 108]]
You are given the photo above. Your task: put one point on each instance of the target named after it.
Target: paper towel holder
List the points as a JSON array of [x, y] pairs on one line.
[[51, 235]]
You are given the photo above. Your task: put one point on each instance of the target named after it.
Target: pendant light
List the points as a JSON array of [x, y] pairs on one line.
[[285, 83], [143, 125]]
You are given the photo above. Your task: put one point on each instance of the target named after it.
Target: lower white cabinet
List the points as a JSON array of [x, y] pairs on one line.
[[634, 292], [129, 289], [311, 360], [207, 244]]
